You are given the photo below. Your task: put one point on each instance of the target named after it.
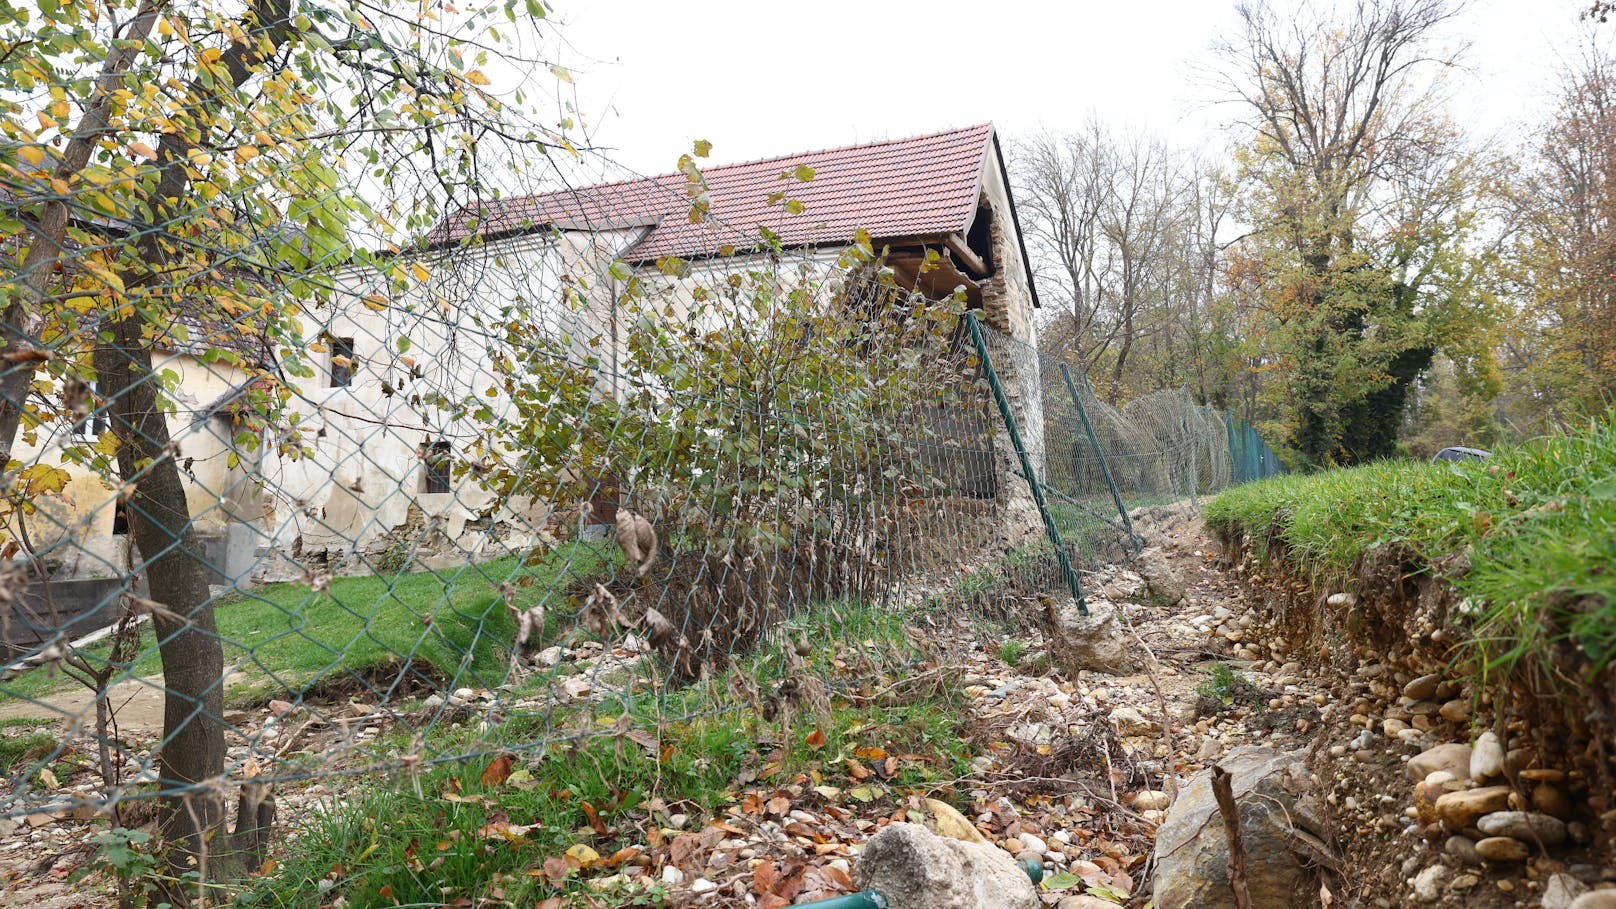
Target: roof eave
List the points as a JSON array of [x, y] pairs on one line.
[[1015, 220]]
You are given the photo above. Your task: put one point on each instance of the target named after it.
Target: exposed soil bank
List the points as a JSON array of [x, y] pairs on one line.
[[1416, 729]]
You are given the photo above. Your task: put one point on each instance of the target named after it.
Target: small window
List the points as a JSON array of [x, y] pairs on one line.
[[435, 477], [89, 427], [120, 520], [343, 362]]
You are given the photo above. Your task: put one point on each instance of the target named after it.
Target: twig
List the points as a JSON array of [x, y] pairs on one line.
[[1223, 791]]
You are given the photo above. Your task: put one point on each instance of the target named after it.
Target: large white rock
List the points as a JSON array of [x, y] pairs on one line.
[[917, 869], [1094, 641], [1161, 575], [1192, 853]]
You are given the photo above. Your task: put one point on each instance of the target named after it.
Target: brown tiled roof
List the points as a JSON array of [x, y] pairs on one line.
[[917, 187]]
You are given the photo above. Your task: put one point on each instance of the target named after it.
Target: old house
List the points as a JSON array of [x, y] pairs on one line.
[[379, 422], [938, 207]]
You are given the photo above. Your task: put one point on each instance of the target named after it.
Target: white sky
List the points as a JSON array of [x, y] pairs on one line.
[[760, 78]]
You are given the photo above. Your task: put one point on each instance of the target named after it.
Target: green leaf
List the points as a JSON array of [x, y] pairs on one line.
[[1061, 881]]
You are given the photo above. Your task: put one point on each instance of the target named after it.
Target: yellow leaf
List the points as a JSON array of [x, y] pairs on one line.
[[420, 272], [950, 823], [586, 856], [476, 77], [141, 149], [375, 303], [33, 154]]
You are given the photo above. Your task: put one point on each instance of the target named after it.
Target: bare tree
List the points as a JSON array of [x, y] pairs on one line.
[[1105, 216]]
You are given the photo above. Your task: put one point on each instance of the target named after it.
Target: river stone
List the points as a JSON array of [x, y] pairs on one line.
[[1598, 899], [1459, 810], [1463, 849], [1524, 825], [1192, 854], [1428, 883], [1422, 687], [1094, 641], [917, 869], [1502, 849], [1455, 711], [1453, 758], [1561, 891], [1551, 799], [1151, 800], [1486, 757]]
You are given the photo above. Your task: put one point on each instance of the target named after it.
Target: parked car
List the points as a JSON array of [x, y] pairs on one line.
[[1457, 453]]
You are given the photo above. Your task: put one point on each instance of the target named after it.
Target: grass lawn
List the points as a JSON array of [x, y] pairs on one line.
[[427, 626], [1536, 524], [457, 832]]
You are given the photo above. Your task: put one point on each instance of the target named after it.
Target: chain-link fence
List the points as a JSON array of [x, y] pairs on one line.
[[1097, 464], [518, 496]]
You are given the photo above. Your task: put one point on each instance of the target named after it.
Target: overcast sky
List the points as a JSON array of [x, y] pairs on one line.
[[758, 78]]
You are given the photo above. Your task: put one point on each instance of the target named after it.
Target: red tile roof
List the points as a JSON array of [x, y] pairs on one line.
[[922, 186]]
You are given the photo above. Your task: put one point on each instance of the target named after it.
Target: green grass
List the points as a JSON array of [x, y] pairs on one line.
[[428, 841], [19, 753], [1536, 523], [444, 625], [1010, 652]]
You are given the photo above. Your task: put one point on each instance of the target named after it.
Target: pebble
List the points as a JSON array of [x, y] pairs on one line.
[[1453, 758], [1561, 891], [1422, 687], [1455, 711], [1033, 844], [672, 876], [702, 885], [1598, 899], [1463, 849], [1152, 800], [1486, 757], [1524, 825], [1551, 799], [1341, 600], [1542, 775], [1459, 810], [1428, 883], [1502, 849]]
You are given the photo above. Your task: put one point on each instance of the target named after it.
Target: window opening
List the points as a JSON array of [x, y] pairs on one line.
[[436, 477]]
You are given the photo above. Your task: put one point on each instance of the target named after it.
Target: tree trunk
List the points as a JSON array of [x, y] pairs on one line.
[[193, 656]]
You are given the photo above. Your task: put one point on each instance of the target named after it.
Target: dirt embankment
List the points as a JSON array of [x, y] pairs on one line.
[[1451, 784]]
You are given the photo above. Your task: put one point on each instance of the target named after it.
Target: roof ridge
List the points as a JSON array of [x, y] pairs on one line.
[[655, 178], [851, 147]]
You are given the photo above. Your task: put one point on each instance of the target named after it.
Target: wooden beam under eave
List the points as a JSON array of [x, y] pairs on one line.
[[972, 262]]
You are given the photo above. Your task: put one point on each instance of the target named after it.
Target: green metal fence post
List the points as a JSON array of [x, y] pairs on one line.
[[1235, 467], [1105, 466], [1031, 476]]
